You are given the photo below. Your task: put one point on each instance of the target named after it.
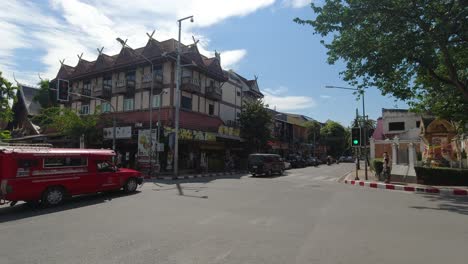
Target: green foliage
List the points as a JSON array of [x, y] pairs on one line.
[[377, 166], [442, 176], [69, 123], [255, 124], [45, 97], [333, 134], [313, 131], [46, 117], [5, 134], [413, 50], [418, 156], [7, 97]]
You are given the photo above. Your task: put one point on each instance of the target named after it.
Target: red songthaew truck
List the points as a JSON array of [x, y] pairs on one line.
[[34, 173]]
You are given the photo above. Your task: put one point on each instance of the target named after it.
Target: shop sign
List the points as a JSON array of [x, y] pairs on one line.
[[120, 132], [144, 142], [229, 131], [189, 134]]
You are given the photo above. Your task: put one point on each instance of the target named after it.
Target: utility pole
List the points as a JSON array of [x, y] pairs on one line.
[[177, 104]]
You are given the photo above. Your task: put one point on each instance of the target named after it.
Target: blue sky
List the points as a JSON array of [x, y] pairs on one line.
[[255, 37]]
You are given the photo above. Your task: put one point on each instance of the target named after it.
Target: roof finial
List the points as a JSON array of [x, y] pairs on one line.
[[62, 61], [80, 56], [195, 41], [218, 56], [256, 77], [150, 36], [100, 50], [40, 78]]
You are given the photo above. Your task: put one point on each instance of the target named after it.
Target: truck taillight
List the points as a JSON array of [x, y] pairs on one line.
[[3, 187]]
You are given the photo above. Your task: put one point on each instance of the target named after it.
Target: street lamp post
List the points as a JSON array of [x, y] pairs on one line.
[[124, 44], [177, 105], [364, 126]]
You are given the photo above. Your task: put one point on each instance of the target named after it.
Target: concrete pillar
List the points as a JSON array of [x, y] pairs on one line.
[[372, 148], [394, 153]]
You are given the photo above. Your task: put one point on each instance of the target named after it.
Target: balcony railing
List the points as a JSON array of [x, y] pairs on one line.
[[213, 92], [146, 81], [103, 91], [125, 87], [190, 84]]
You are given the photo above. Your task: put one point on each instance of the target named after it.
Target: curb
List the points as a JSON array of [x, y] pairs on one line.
[[429, 189], [193, 176]]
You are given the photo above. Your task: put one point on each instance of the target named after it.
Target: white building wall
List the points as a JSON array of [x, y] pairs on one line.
[[410, 119]]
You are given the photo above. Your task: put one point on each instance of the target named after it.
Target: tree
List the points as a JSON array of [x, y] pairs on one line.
[[255, 124], [45, 97], [7, 98], [69, 123], [413, 50], [333, 135], [313, 131]]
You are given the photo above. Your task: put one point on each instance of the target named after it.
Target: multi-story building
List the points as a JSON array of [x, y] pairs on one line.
[[236, 92], [124, 81]]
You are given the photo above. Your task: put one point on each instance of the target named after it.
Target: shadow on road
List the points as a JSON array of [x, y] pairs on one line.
[[454, 204], [22, 211]]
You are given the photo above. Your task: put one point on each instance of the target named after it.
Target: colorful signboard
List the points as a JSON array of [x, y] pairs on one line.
[[188, 134]]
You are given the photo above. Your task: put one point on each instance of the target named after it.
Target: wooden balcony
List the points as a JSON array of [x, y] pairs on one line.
[[86, 92], [146, 82], [213, 92], [191, 85], [125, 87], [103, 91]]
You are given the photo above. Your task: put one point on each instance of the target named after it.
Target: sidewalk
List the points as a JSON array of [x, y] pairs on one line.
[[372, 182]]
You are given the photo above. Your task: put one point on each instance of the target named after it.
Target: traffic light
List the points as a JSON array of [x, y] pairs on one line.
[[355, 136], [63, 90]]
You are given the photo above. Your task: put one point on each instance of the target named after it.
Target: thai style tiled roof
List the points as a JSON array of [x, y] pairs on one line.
[[153, 50]]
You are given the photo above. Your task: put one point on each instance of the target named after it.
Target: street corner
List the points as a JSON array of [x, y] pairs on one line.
[[449, 191]]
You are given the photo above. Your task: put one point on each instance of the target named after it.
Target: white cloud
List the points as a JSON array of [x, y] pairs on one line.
[[278, 98], [86, 25], [296, 3]]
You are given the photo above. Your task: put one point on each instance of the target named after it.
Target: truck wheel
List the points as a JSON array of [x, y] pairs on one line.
[[130, 186], [53, 196]]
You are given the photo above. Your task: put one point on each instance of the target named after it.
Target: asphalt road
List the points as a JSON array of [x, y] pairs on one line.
[[302, 217]]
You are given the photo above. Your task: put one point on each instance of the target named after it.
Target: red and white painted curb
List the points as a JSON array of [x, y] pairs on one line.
[[415, 189]]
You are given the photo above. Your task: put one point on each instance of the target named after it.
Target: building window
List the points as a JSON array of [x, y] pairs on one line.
[[107, 82], [186, 102], [64, 162], [84, 110], [128, 104], [130, 76], [87, 88], [418, 124], [238, 115], [156, 100], [396, 126], [211, 109], [105, 107], [238, 93]]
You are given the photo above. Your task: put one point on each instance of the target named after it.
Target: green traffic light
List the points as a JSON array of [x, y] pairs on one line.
[[355, 142]]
